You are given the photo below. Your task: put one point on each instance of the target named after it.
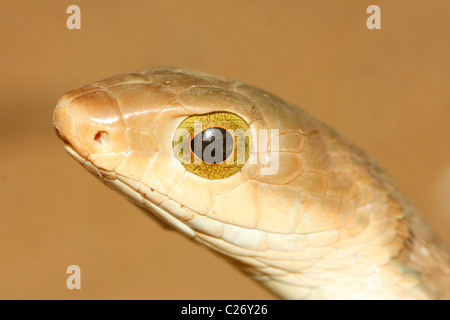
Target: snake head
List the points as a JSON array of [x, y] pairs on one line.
[[293, 190], [126, 131]]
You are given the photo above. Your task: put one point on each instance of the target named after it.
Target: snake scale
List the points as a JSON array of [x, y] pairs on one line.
[[296, 206]]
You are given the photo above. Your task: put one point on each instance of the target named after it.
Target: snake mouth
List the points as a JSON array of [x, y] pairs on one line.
[[136, 194], [101, 174], [71, 151], [58, 134]]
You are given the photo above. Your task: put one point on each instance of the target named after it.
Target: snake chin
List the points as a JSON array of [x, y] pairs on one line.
[[101, 174], [135, 193], [69, 149]]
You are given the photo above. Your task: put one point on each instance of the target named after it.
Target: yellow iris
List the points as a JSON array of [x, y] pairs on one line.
[[219, 133]]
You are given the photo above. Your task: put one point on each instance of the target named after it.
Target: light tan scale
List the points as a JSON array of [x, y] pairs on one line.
[[328, 224]]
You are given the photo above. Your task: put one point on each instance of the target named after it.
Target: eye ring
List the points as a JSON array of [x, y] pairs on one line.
[[231, 124]]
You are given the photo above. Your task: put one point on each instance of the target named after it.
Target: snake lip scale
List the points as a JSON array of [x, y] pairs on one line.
[[329, 223], [102, 175]]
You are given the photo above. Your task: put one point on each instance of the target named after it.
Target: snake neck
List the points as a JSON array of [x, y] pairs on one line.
[[415, 264], [384, 251], [372, 245]]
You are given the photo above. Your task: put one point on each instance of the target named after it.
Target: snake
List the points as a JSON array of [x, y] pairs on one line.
[[284, 197]]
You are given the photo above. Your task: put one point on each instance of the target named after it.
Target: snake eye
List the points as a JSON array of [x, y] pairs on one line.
[[213, 146]]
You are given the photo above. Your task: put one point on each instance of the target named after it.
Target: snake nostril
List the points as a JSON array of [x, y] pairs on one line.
[[102, 138]]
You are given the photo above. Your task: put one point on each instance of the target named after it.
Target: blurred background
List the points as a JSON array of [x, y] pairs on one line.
[[386, 89]]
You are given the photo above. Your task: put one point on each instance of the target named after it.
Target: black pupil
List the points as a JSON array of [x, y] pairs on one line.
[[213, 145]]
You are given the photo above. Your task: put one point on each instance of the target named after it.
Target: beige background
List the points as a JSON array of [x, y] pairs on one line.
[[386, 89]]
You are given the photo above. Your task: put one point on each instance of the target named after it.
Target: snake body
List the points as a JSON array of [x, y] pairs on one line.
[[328, 224]]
